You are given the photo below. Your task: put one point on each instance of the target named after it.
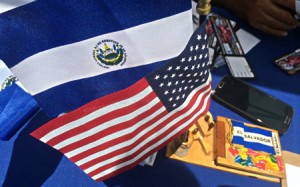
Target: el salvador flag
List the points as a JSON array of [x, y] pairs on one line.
[[253, 138], [68, 53], [16, 105]]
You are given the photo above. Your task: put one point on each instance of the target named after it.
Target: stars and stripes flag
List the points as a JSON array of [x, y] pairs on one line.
[[118, 131]]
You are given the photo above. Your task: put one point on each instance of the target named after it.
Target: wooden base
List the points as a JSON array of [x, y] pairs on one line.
[[203, 150]]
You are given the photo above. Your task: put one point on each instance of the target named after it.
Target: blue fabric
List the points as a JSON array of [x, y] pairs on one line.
[[16, 107], [27, 162], [39, 26]]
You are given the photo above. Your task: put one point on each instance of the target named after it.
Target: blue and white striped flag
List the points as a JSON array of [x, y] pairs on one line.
[[68, 53], [16, 105], [253, 138]]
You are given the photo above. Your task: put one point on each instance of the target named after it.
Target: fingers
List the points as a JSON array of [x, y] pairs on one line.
[[270, 25], [290, 4], [272, 18], [284, 18], [270, 30]]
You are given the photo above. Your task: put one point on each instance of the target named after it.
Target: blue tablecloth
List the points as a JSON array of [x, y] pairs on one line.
[[25, 161]]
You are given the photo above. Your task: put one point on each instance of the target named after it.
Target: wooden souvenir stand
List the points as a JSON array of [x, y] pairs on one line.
[[202, 147]]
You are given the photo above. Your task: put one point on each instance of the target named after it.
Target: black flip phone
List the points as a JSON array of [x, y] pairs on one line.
[[257, 106]]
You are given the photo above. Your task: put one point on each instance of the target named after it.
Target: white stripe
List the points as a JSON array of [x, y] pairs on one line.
[[144, 44], [124, 164], [105, 125], [108, 161], [161, 131], [106, 172], [9, 5], [116, 158], [113, 136], [261, 139], [249, 136], [96, 114], [238, 131], [4, 72]]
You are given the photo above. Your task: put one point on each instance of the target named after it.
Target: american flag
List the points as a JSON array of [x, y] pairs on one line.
[[120, 130]]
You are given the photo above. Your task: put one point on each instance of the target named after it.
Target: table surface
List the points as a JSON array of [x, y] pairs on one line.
[[27, 162]]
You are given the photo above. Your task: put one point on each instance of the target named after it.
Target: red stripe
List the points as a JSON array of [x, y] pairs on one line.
[[121, 126], [100, 120], [117, 140], [151, 142], [125, 138], [90, 107], [128, 147], [167, 121], [116, 172]]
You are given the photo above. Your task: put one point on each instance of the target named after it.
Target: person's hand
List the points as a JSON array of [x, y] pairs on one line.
[[270, 16]]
